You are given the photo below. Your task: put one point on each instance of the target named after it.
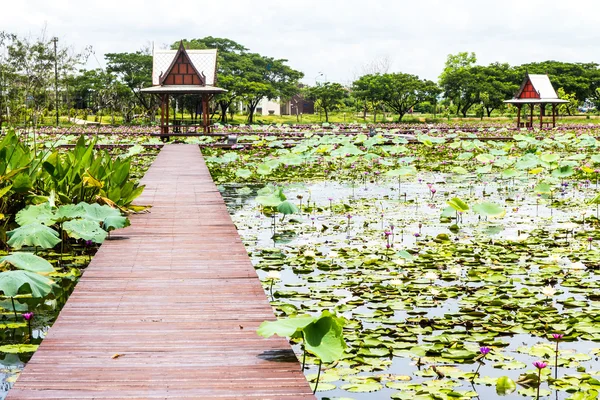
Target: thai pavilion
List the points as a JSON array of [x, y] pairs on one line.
[[536, 90], [181, 72]]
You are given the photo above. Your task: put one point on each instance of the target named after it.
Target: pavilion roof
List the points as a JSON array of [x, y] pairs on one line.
[[542, 90], [204, 61]]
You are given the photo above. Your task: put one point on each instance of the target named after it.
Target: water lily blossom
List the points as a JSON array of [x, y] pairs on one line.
[[274, 275], [27, 316], [548, 291], [540, 364], [432, 276]]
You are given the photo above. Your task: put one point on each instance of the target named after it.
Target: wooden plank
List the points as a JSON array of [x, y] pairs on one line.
[[176, 297]]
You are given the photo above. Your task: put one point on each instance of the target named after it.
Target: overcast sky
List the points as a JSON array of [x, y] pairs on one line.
[[333, 37]]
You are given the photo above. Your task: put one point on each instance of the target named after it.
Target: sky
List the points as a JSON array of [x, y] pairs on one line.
[[328, 40]]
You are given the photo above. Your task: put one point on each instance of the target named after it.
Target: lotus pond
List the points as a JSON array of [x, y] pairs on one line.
[[456, 263]]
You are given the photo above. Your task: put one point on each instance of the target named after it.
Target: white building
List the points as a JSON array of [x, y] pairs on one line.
[[265, 107]]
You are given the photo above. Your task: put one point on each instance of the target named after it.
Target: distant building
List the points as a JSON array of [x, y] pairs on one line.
[[298, 105]]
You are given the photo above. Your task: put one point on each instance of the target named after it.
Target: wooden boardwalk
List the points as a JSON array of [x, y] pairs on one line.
[[167, 310]]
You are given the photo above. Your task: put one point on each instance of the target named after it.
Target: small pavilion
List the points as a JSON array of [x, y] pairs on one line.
[[536, 90], [180, 72]]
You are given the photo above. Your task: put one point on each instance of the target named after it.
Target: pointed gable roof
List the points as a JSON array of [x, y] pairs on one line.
[[536, 86], [202, 63], [182, 71]]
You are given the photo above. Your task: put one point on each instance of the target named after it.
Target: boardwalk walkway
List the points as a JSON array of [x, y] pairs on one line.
[[170, 310]]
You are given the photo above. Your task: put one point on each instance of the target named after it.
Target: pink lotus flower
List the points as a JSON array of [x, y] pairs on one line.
[[540, 364], [28, 316]]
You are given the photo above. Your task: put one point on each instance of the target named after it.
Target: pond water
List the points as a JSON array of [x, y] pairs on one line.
[[430, 300]]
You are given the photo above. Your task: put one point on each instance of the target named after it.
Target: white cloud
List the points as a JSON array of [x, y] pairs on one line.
[[333, 36]]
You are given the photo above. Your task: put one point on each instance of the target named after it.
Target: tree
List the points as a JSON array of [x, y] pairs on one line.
[[570, 107], [32, 66], [459, 81], [401, 92], [135, 71], [497, 82], [329, 96], [266, 77], [368, 89]]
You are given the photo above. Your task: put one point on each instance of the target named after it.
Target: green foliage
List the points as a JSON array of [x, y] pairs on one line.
[[329, 96], [505, 386], [33, 235], [489, 209], [323, 335], [28, 262], [85, 229], [11, 283], [458, 205]]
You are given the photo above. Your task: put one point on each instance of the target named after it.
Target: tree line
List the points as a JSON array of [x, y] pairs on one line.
[[32, 71]]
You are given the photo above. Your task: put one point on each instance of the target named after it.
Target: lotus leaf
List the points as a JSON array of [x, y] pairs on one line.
[[12, 281], [489, 209], [41, 213], [28, 262], [85, 229], [287, 208], [112, 223], [34, 235]]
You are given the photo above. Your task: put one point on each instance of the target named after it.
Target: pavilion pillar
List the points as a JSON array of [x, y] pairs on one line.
[[205, 113], [542, 109], [162, 113], [167, 113], [519, 116], [531, 115], [554, 115]]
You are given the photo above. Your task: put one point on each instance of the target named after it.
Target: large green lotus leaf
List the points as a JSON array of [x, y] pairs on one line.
[[70, 211], [459, 354], [243, 173], [269, 201], [458, 204], [41, 214], [85, 229], [488, 209], [18, 348], [404, 171], [12, 281], [324, 337], [286, 327], [287, 208], [459, 170], [563, 172], [509, 173], [112, 223], [291, 159], [505, 386], [229, 157], [34, 235], [263, 169], [528, 161], [99, 213], [485, 158], [542, 188], [28, 262], [549, 157]]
